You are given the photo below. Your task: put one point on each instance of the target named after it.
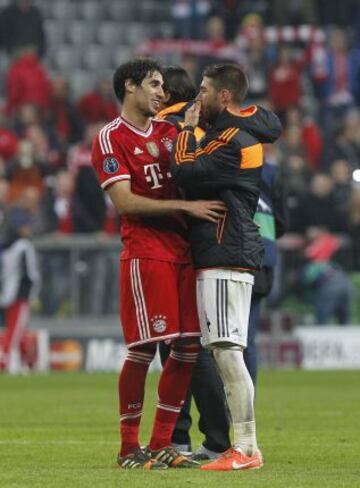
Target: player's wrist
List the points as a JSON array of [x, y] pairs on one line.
[[189, 127], [185, 206]]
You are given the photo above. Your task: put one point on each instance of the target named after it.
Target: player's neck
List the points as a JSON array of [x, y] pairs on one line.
[[135, 118], [233, 107]]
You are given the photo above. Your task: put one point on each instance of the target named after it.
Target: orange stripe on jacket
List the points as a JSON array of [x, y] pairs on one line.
[[252, 157], [224, 138], [181, 155], [172, 110], [179, 146]]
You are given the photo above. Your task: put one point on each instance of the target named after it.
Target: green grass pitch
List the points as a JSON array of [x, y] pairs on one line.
[[62, 430]]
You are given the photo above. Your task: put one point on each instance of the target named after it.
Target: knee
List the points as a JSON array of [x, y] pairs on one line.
[[144, 353], [185, 352], [229, 360]]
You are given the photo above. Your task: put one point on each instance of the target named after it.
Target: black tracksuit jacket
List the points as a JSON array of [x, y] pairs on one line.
[[227, 166]]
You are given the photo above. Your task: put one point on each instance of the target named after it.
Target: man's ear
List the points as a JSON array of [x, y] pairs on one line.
[[129, 85], [225, 96], [166, 96]]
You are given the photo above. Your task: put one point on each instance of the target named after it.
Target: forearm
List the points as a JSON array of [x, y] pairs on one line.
[[138, 205]]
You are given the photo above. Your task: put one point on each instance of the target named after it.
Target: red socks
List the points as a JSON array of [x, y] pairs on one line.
[[131, 395], [173, 386]]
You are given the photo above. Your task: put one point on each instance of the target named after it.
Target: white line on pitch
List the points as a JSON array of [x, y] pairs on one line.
[[54, 442]]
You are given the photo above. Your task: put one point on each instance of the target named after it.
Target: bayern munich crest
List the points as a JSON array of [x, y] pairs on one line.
[[110, 165], [153, 149], [159, 323], [168, 144]]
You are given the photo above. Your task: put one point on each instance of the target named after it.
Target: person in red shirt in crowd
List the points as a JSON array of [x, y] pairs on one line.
[[131, 156], [30, 124], [24, 170], [285, 81], [98, 105], [8, 139], [79, 155], [64, 114], [311, 135], [27, 82]]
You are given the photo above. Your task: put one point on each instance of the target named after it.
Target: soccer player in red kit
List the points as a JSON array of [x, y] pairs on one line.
[[131, 156]]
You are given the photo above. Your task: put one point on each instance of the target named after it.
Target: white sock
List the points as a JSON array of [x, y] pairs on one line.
[[239, 391], [245, 437]]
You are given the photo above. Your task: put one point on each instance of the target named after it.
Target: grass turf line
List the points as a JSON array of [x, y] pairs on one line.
[[61, 429]]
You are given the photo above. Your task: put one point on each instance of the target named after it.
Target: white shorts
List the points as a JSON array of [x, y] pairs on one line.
[[223, 302]]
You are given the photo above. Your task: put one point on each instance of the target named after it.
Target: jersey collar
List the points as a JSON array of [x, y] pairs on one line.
[[137, 131]]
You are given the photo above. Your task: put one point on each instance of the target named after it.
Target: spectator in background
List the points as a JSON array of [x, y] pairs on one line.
[[98, 105], [215, 32], [317, 207], [27, 82], [21, 26], [20, 281], [285, 81], [311, 135], [297, 175], [336, 87], [57, 207], [28, 207], [190, 18], [24, 170], [292, 144], [8, 139], [341, 174], [89, 216], [353, 226], [30, 124], [4, 200], [329, 285], [257, 69], [346, 142], [295, 12], [63, 113], [57, 204]]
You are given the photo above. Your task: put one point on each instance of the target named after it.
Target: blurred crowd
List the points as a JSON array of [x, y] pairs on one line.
[[302, 58]]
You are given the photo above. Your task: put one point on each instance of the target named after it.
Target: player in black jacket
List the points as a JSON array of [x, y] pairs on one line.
[[227, 165]]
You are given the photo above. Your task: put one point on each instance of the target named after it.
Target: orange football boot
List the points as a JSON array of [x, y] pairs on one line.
[[231, 460]]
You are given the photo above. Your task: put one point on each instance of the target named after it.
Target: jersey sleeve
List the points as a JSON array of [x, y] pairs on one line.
[[109, 162]]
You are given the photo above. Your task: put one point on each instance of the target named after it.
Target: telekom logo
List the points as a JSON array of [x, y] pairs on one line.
[[153, 175]]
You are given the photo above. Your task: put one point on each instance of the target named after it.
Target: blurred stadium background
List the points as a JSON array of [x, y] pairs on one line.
[[303, 59]]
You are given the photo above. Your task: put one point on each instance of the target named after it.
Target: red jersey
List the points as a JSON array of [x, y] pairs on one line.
[[123, 152]]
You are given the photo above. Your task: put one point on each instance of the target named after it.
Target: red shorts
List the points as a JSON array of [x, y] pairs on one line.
[[157, 301]]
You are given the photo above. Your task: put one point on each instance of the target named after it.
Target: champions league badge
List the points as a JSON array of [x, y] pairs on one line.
[[153, 149], [159, 323], [110, 165], [168, 144]]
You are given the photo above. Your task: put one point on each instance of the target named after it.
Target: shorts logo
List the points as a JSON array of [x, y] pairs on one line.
[[159, 323], [168, 144], [110, 165], [153, 149]]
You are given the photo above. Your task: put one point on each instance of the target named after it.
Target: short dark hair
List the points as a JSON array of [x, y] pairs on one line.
[[178, 84], [135, 70], [229, 76]]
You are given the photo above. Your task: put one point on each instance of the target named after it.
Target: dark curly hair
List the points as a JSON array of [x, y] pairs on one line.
[[135, 70], [231, 77], [178, 84]]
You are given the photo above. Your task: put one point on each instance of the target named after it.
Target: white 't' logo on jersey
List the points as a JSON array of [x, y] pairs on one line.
[[153, 175]]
